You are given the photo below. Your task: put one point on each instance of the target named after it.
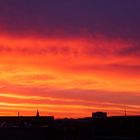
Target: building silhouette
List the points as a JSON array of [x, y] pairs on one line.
[[37, 114], [97, 127], [26, 121], [99, 115], [115, 125]]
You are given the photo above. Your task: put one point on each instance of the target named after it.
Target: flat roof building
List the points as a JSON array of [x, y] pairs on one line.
[[99, 115]]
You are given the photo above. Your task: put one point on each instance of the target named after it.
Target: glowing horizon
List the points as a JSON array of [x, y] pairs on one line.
[[69, 65]]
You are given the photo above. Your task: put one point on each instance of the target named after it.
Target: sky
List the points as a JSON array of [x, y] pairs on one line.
[[69, 58]]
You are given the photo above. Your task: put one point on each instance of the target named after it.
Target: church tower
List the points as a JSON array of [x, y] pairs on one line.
[[37, 114]]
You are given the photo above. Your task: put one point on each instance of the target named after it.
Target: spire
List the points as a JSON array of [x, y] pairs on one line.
[[125, 111], [37, 113]]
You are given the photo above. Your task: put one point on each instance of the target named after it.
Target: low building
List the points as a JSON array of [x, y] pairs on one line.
[[116, 125], [99, 115], [26, 121]]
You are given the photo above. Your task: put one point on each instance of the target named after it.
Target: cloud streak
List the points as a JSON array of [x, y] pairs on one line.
[[76, 55]]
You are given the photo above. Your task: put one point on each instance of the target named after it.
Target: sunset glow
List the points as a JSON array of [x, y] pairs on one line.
[[68, 74]]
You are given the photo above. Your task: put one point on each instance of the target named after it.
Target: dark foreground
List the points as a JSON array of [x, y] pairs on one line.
[[46, 128], [53, 133]]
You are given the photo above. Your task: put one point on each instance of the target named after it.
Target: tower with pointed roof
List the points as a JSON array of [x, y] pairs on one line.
[[37, 114]]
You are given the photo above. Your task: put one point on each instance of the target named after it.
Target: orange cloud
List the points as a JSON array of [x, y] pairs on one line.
[[41, 68]]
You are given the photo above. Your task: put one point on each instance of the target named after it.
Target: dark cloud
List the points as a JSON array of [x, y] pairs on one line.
[[44, 50], [119, 18], [131, 51], [95, 47]]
